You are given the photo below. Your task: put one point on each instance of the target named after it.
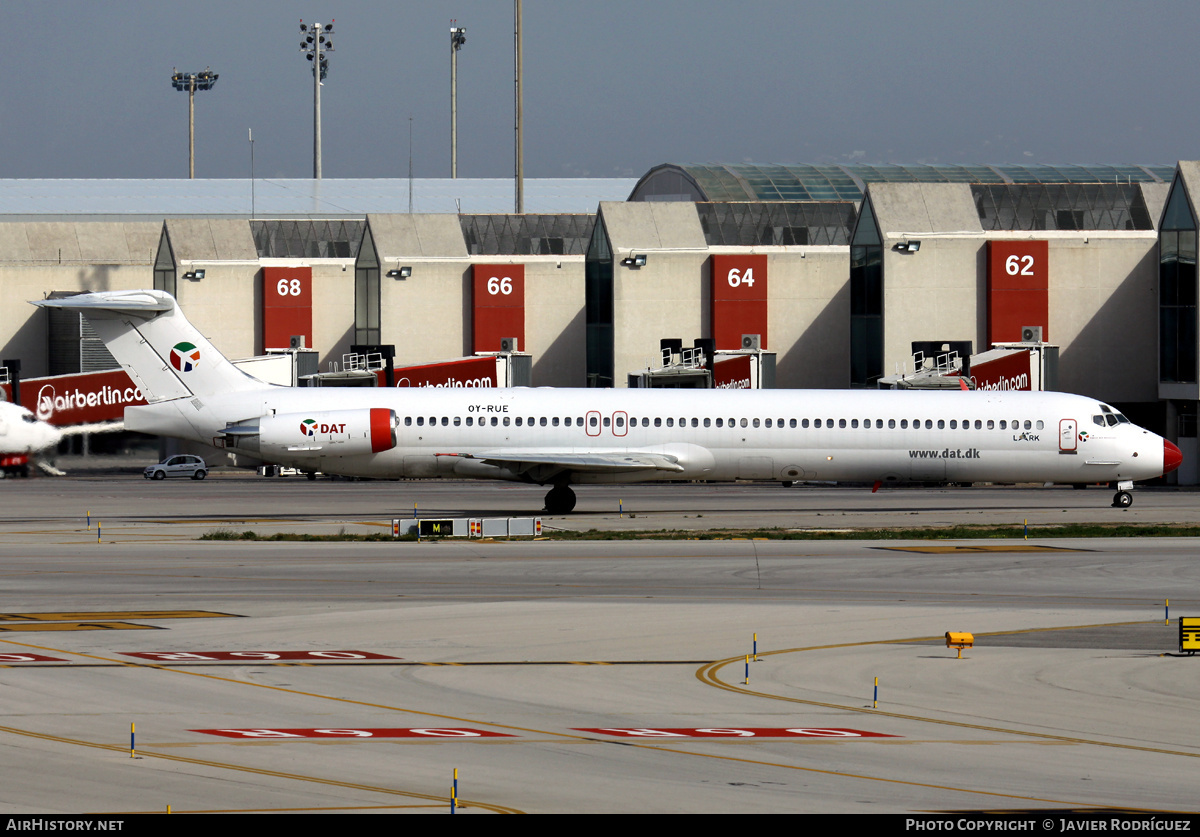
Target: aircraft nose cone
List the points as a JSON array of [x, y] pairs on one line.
[[1171, 457]]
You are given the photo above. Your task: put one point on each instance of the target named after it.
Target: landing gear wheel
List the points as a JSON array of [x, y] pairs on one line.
[[312, 475], [560, 500], [1122, 500]]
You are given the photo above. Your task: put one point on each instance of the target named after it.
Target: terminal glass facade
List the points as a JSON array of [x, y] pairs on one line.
[[366, 294], [1177, 333], [1062, 206], [866, 302], [164, 265], [749, 224], [598, 280], [309, 239], [527, 235]]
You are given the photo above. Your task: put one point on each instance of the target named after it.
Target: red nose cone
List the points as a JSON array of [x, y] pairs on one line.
[[1171, 457]]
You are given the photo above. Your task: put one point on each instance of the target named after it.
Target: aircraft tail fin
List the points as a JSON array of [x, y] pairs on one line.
[[164, 354]]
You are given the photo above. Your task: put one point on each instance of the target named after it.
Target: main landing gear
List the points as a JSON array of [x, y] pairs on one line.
[[560, 500]]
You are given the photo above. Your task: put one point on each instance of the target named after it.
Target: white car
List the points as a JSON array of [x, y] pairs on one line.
[[182, 465]]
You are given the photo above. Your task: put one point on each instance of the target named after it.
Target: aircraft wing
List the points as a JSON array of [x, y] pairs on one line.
[[523, 460]]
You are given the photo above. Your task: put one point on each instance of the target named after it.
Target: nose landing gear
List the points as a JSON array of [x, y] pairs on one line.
[[1123, 499]]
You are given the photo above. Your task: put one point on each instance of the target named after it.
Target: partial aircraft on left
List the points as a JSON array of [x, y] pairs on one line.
[[21, 434]]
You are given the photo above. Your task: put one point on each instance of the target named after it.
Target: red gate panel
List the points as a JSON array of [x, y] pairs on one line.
[[287, 306], [739, 299], [499, 305], [1018, 281]]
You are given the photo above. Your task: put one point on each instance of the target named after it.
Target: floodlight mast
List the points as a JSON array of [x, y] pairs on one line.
[[519, 108], [191, 82], [458, 37], [316, 43]]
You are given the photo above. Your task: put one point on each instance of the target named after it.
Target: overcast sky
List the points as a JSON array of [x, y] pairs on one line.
[[611, 88]]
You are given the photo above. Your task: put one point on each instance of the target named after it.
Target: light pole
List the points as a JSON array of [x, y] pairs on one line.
[[520, 111], [316, 43], [458, 37], [191, 82]]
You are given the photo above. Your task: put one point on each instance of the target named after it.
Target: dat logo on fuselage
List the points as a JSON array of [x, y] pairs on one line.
[[310, 427]]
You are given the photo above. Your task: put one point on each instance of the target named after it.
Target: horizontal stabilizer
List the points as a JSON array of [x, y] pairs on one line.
[[141, 304]]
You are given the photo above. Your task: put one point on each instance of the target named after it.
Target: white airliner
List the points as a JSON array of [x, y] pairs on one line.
[[560, 437], [21, 434]]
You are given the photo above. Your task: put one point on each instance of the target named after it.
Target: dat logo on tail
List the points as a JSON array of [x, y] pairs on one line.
[[185, 356]]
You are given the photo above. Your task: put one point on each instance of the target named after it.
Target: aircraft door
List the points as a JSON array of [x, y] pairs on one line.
[[1068, 436], [620, 422], [593, 423]]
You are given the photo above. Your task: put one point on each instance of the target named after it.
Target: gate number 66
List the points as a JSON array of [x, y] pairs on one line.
[[499, 286]]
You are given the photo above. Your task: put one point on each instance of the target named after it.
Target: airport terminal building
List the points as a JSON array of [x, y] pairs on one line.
[[821, 276]]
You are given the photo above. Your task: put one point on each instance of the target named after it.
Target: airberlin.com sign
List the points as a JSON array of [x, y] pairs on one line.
[[81, 399]]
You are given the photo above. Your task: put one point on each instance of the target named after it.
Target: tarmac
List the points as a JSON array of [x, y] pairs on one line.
[[596, 676]]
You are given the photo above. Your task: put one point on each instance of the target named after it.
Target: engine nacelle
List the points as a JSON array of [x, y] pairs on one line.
[[330, 433]]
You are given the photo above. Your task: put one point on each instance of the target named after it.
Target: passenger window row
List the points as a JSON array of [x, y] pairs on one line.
[[618, 421]]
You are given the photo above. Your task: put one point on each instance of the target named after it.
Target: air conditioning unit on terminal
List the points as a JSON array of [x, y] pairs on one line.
[[752, 342], [508, 344], [1031, 334]]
